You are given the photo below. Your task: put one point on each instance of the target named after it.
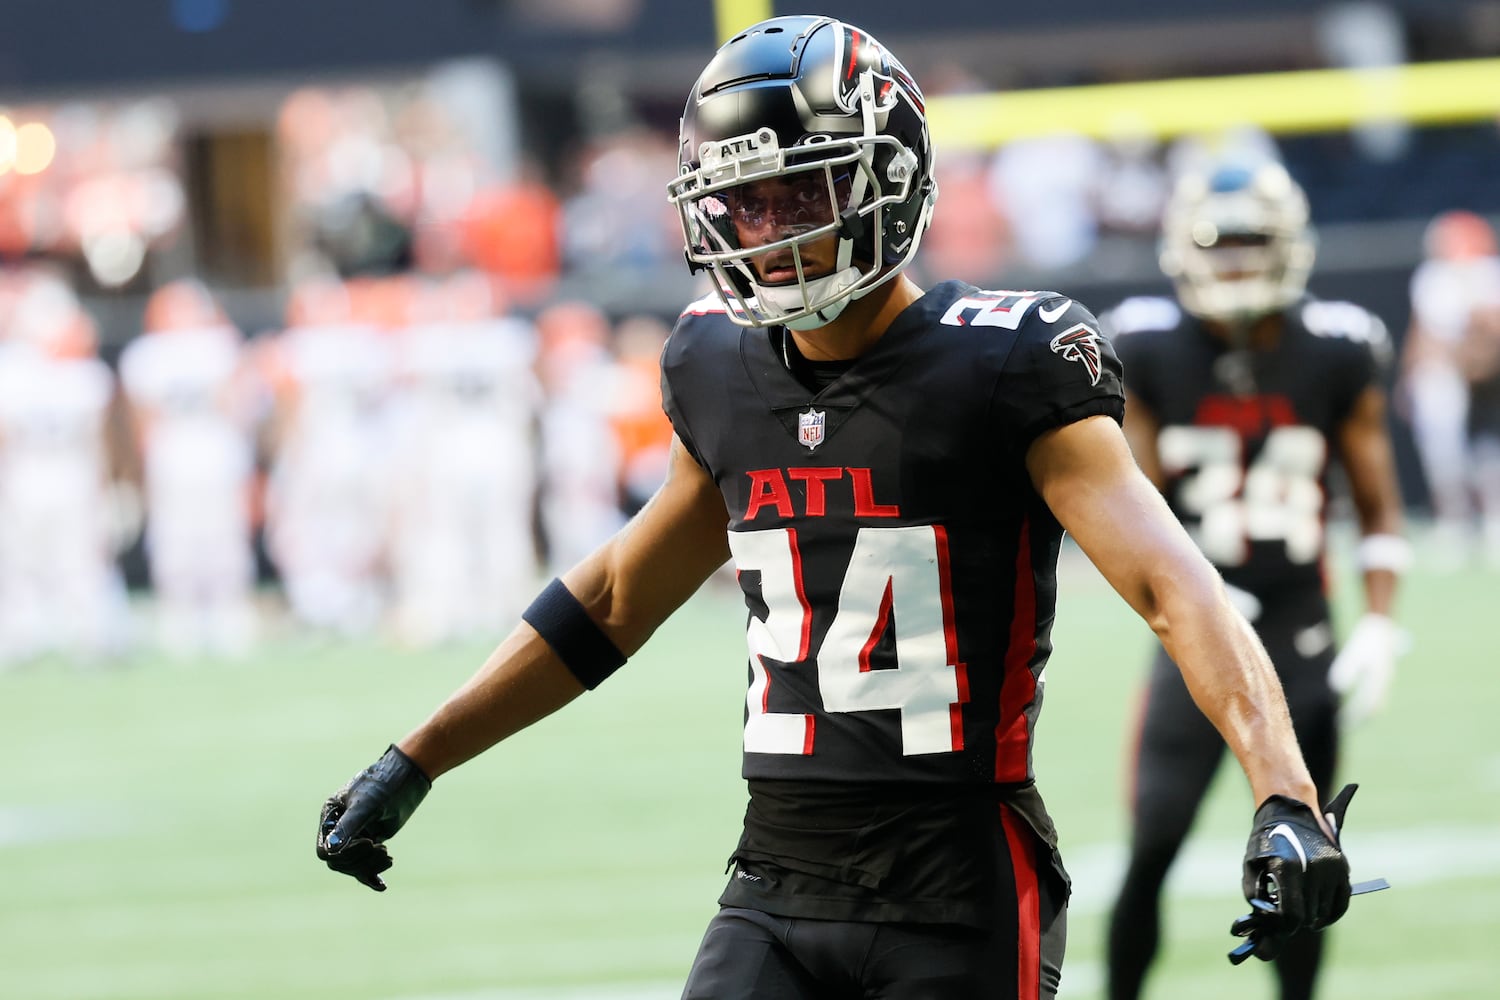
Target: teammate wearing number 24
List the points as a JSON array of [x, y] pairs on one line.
[[1242, 393], [891, 471]]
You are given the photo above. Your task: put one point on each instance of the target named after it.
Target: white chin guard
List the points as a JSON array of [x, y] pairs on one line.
[[795, 297]]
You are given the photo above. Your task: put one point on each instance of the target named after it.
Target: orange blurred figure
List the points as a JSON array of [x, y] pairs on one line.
[[512, 232], [1458, 236], [640, 423]]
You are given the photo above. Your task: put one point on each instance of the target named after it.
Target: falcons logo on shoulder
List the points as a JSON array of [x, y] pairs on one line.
[[1080, 343]]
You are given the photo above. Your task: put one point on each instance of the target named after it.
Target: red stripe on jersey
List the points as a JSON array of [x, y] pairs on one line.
[[1018, 686], [805, 643], [765, 694], [1020, 840], [708, 304], [882, 619], [950, 637]]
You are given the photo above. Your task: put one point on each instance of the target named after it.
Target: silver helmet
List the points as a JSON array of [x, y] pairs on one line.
[[1236, 241]]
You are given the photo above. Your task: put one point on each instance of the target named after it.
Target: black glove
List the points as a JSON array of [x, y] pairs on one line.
[[1295, 877], [358, 820]]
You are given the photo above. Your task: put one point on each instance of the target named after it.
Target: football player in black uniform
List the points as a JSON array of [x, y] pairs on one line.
[[892, 472], [1239, 395]]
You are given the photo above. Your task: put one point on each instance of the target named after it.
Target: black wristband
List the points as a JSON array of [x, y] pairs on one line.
[[583, 647]]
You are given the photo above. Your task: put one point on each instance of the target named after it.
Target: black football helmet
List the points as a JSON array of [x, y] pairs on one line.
[[802, 131]]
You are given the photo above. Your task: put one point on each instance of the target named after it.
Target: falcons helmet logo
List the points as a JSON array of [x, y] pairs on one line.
[[1080, 343], [858, 53]]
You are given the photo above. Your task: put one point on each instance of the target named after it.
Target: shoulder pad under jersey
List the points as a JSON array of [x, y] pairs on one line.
[[1141, 312], [1347, 321]]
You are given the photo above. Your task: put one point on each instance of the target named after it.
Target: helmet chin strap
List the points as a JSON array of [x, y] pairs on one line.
[[791, 298]]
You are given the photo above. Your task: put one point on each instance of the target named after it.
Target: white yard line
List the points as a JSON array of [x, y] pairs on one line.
[[1208, 868], [29, 825]]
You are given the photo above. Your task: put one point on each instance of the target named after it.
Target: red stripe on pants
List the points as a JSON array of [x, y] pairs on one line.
[[1022, 844]]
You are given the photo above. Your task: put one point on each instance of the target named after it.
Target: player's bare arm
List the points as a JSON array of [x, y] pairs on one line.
[[1088, 477], [1365, 449], [602, 611], [629, 586], [1365, 666]]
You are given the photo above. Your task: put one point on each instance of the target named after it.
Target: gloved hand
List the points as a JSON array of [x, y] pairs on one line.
[[357, 821], [1295, 877], [1362, 671]]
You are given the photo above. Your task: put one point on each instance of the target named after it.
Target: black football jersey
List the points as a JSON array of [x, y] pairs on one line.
[[1246, 437], [898, 566]]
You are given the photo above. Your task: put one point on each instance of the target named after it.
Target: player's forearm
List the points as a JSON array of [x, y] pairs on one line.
[[521, 682], [1383, 553], [1380, 592], [1234, 684]]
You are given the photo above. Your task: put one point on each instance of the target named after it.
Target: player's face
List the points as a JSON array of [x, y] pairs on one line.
[[781, 208], [1239, 256]]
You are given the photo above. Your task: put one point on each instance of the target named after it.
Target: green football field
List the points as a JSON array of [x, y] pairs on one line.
[[157, 822]]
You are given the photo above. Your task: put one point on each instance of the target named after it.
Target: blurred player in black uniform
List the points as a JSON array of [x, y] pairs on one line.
[[891, 471], [1239, 396]]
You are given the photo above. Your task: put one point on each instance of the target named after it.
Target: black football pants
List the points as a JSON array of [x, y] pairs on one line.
[[1178, 754], [749, 955]]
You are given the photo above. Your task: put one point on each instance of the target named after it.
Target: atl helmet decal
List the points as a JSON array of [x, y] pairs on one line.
[[1080, 343], [857, 52]]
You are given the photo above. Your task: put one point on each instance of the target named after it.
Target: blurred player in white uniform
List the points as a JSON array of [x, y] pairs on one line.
[[60, 587], [186, 385], [463, 557], [580, 454], [1456, 287], [327, 507]]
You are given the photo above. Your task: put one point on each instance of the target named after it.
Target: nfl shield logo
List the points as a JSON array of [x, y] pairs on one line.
[[810, 427]]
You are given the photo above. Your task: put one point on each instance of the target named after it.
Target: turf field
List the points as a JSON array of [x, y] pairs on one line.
[[157, 820]]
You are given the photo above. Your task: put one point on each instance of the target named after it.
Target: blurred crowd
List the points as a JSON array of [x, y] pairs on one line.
[[426, 175], [408, 457], [456, 387], [100, 184]]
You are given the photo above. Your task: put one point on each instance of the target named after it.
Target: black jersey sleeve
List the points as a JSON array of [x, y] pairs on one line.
[[1061, 370], [675, 378], [1134, 329]]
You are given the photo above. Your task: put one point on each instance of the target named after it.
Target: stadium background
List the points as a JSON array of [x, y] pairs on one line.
[[156, 841]]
